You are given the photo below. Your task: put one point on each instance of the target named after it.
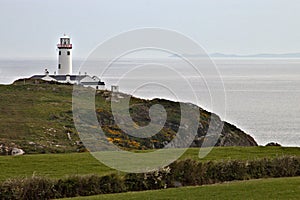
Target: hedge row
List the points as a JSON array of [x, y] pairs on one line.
[[179, 173], [190, 172]]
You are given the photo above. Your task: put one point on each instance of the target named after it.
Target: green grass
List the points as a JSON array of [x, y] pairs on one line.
[[242, 153], [29, 111], [60, 165], [276, 188], [51, 165]]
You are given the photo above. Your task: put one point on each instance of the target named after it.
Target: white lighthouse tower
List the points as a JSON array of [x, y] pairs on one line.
[[64, 56]]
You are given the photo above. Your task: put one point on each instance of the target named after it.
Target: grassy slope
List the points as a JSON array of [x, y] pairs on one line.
[[279, 188], [59, 165], [39, 114]]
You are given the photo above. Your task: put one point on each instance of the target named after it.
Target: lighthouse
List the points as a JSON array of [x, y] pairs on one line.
[[64, 70], [64, 56]]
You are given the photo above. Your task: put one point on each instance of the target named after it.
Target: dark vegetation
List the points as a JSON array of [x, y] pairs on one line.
[[179, 173], [274, 144]]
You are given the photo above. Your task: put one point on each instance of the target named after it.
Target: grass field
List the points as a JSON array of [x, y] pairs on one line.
[[60, 165], [276, 188]]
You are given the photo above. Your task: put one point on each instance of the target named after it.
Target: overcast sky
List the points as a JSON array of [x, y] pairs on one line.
[[31, 28]]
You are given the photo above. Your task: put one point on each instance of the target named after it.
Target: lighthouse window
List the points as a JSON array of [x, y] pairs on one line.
[[59, 53], [58, 66], [68, 53]]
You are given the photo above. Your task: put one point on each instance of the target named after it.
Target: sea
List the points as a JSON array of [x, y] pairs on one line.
[[259, 95]]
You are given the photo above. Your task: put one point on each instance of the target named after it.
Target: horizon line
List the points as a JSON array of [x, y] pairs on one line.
[[212, 55]]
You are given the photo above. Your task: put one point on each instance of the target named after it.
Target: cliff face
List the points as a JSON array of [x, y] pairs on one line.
[[38, 118], [229, 135]]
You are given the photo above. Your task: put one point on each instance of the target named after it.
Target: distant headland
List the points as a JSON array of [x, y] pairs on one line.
[[222, 55]]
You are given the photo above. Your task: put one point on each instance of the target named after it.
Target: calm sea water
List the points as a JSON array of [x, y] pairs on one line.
[[262, 95]]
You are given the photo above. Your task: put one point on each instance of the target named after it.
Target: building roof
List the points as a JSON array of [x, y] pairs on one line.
[[48, 78], [83, 79]]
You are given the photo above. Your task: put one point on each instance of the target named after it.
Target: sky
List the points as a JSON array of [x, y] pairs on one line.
[[31, 28]]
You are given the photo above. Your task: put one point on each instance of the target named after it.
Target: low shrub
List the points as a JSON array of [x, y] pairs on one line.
[[29, 188], [147, 181], [189, 172], [44, 188], [112, 184], [185, 172]]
